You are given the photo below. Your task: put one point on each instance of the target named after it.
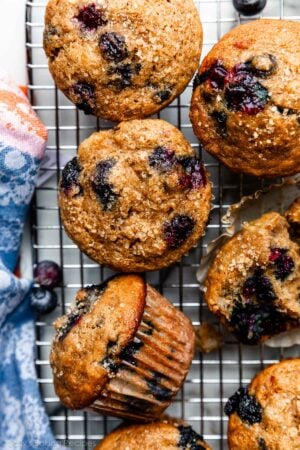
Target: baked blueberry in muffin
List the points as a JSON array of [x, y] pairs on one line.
[[253, 284], [122, 60], [122, 350], [265, 415], [245, 107], [137, 197], [156, 435]]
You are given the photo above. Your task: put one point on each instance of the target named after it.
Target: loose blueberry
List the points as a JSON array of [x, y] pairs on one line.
[[246, 406], [251, 321], [178, 230], [43, 300], [220, 118], [102, 187], [189, 439], [260, 286], [47, 274], [162, 159], [69, 183], [244, 93], [91, 17], [249, 7], [113, 46], [262, 65], [194, 176], [85, 96]]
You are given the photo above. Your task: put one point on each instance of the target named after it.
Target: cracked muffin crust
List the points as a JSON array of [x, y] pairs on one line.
[[122, 60], [253, 284], [122, 350], [245, 107], [153, 436], [266, 415], [137, 197]]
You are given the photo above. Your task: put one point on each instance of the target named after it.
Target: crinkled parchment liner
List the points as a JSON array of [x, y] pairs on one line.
[[277, 197]]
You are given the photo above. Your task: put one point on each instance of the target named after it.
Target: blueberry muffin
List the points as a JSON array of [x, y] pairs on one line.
[[137, 197], [246, 105], [153, 436], [122, 60], [293, 217], [265, 416], [122, 350], [253, 284]]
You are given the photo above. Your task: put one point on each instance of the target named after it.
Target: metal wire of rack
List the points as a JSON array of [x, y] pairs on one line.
[[214, 376]]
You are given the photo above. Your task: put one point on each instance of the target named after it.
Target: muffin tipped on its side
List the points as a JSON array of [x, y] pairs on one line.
[[122, 350]]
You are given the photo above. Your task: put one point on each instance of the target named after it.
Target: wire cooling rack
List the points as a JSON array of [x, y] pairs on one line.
[[213, 377]]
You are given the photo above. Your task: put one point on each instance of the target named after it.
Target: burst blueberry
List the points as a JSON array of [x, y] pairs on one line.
[[162, 159], [48, 274], [216, 76], [189, 439], [194, 176], [113, 46], [85, 96], [69, 183], [251, 321], [101, 186], [91, 17], [178, 230], [260, 286], [245, 405]]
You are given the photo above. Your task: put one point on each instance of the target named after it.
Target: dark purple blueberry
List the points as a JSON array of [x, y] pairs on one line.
[[262, 66], [91, 17], [284, 267], [159, 391], [283, 262], [189, 439], [85, 96], [251, 321], [102, 187], [233, 401], [194, 176], [178, 230], [47, 274], [122, 75], [113, 46], [127, 354], [246, 406], [109, 364], [43, 300], [244, 93], [276, 253], [216, 76], [260, 286], [163, 95], [162, 159], [220, 118], [249, 7], [262, 444], [69, 183]]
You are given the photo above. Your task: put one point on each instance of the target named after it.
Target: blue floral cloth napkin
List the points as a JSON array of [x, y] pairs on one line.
[[24, 424]]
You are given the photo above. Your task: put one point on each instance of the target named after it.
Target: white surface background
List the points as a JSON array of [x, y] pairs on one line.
[[12, 39]]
